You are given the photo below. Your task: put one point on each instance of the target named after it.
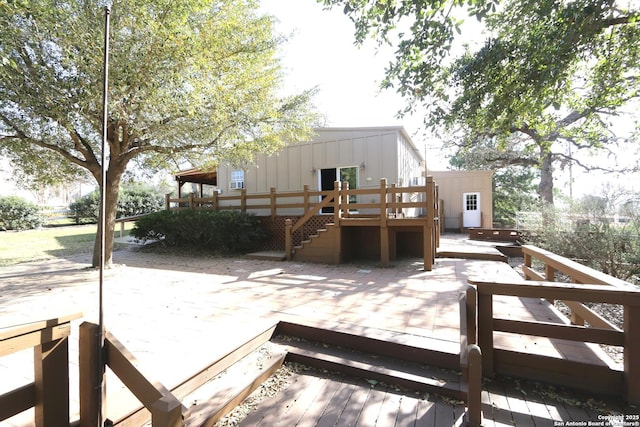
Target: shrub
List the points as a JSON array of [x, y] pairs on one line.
[[131, 201], [612, 248], [222, 232], [19, 214]]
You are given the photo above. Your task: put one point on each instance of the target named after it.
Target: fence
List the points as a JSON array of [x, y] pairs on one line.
[[588, 286], [49, 392]]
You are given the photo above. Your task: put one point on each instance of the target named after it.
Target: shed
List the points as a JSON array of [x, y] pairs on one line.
[[467, 198]]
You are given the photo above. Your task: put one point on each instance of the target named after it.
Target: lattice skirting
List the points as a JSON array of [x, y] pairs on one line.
[[275, 229]]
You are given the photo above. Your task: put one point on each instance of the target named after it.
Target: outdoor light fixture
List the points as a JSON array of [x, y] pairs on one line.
[[362, 165]]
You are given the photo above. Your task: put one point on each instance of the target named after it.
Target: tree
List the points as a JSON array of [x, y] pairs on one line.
[[192, 80], [548, 78]]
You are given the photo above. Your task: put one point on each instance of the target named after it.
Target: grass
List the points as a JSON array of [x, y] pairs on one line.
[[47, 243]]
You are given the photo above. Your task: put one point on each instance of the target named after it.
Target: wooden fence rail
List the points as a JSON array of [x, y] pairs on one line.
[[49, 393], [392, 200], [578, 273], [166, 410], [602, 289]]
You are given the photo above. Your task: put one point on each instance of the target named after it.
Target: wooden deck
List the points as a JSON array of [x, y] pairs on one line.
[[311, 398], [159, 305]]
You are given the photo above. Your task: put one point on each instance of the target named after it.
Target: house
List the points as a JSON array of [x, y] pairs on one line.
[[349, 193], [359, 156]]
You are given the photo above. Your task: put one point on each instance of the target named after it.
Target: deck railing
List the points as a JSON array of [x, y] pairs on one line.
[[392, 200], [578, 273], [49, 392], [166, 410], [590, 286]]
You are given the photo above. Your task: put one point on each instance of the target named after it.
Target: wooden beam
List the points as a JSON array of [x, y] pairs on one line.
[[127, 368], [565, 332], [18, 400], [632, 354], [91, 376], [560, 291], [485, 332], [51, 376]]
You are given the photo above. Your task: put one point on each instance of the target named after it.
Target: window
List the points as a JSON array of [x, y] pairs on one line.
[[237, 180], [471, 202]]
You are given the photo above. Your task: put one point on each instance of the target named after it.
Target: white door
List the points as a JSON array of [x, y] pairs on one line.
[[471, 213]]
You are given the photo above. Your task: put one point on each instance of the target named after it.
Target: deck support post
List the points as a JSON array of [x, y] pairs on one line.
[[90, 380], [287, 238], [632, 353], [485, 332], [474, 388], [384, 229], [51, 376]]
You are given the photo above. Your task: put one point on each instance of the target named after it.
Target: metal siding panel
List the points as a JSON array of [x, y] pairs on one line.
[[345, 152], [306, 166], [330, 151], [293, 168]]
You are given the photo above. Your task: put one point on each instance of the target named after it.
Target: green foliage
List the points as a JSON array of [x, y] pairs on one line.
[[131, 201], [19, 214], [222, 232], [191, 80], [589, 235], [547, 79]]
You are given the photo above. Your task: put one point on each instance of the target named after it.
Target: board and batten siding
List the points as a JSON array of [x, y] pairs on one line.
[[379, 152], [451, 187]]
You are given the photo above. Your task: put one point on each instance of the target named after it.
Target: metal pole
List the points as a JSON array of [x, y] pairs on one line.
[[103, 200]]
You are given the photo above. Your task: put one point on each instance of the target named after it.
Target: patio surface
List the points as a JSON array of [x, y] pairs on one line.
[[176, 314]]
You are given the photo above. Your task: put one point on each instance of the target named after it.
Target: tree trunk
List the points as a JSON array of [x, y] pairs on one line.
[[545, 188], [114, 174]]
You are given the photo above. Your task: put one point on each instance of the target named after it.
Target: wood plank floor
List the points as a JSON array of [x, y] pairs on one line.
[[317, 399]]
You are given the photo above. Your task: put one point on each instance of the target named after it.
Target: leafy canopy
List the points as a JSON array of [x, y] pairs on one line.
[[195, 78], [548, 72]]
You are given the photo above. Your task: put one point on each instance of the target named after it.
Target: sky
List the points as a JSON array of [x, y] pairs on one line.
[[321, 52]]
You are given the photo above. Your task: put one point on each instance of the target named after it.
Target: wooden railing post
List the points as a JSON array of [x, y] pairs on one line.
[[243, 200], [383, 199], [305, 202], [384, 229], [167, 201], [336, 203], [51, 376], [344, 198], [90, 378], [474, 387], [429, 240], [166, 412], [632, 353], [192, 203], [287, 238], [485, 331], [214, 200], [272, 202]]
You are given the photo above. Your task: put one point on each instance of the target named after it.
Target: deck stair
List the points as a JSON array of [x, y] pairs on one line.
[[374, 367], [393, 361], [318, 247]]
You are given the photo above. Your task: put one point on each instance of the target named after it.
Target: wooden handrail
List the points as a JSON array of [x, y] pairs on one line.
[[628, 297], [166, 410], [49, 339], [578, 273]]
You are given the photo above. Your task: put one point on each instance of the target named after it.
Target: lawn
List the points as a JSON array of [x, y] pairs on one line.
[[47, 243]]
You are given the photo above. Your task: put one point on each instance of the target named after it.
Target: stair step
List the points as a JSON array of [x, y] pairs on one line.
[[222, 394], [411, 348], [372, 367]]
